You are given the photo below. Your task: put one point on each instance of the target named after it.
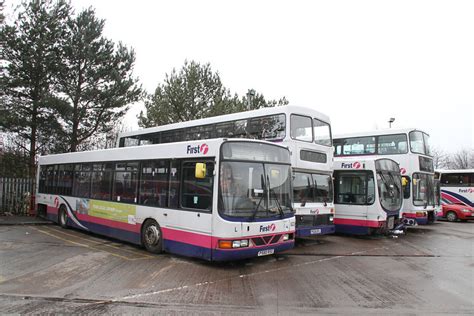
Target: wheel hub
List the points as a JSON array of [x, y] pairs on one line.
[[152, 235]]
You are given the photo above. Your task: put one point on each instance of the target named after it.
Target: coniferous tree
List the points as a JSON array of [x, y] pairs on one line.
[[96, 78], [30, 55]]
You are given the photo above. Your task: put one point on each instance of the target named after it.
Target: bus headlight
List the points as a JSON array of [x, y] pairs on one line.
[[286, 237], [331, 218], [240, 243], [230, 244]]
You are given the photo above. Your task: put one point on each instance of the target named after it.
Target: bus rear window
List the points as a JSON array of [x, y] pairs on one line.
[[301, 128], [322, 133]]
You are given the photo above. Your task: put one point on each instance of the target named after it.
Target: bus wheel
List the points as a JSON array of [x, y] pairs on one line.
[[62, 216], [451, 216], [151, 236]]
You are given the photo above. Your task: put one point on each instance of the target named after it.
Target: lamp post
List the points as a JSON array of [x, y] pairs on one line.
[[390, 121], [250, 96]]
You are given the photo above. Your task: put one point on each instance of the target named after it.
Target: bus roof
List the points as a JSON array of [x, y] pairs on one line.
[[286, 109], [387, 131], [455, 170], [166, 151]]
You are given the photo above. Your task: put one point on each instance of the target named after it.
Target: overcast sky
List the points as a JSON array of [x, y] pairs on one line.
[[360, 62]]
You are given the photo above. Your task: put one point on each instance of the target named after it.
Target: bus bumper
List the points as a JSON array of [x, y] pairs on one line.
[[315, 230], [244, 253], [421, 218]]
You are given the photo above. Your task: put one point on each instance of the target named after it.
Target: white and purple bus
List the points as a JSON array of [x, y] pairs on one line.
[[368, 195], [306, 132], [176, 197], [409, 147]]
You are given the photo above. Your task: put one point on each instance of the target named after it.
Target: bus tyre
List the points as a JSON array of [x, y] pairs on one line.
[[451, 216], [62, 216], [152, 239]]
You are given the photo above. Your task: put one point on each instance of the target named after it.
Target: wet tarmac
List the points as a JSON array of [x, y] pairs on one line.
[[47, 269]]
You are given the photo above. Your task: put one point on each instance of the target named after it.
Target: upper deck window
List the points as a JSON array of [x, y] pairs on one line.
[[392, 144], [426, 140], [359, 146], [417, 143], [301, 128], [268, 127], [322, 133]]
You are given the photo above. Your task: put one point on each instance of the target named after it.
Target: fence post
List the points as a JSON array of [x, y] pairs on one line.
[[1, 194]]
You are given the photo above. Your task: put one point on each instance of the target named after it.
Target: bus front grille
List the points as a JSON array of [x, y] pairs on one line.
[[266, 240], [313, 220]]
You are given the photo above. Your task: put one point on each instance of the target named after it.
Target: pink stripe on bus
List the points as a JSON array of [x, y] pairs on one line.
[[195, 239], [202, 240], [358, 222]]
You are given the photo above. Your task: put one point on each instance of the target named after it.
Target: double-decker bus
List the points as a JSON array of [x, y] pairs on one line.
[[409, 147], [306, 132], [457, 186], [176, 197], [368, 195]]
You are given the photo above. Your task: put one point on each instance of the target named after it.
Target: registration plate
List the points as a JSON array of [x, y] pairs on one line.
[[266, 252], [315, 231], [391, 222]]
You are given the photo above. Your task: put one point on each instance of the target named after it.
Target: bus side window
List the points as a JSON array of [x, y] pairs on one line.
[[42, 180], [126, 181], [154, 183]]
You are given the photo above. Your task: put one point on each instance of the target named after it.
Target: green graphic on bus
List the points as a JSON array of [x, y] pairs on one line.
[[113, 211]]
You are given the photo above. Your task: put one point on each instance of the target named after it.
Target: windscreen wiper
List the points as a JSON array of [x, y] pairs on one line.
[[271, 191], [384, 181], [394, 182]]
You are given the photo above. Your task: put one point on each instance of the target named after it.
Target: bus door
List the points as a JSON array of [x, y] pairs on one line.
[[192, 222]]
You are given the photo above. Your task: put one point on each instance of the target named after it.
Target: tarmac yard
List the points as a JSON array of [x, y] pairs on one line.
[[47, 269]]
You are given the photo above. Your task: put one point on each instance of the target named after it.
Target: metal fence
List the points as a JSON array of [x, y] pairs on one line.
[[15, 195]]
